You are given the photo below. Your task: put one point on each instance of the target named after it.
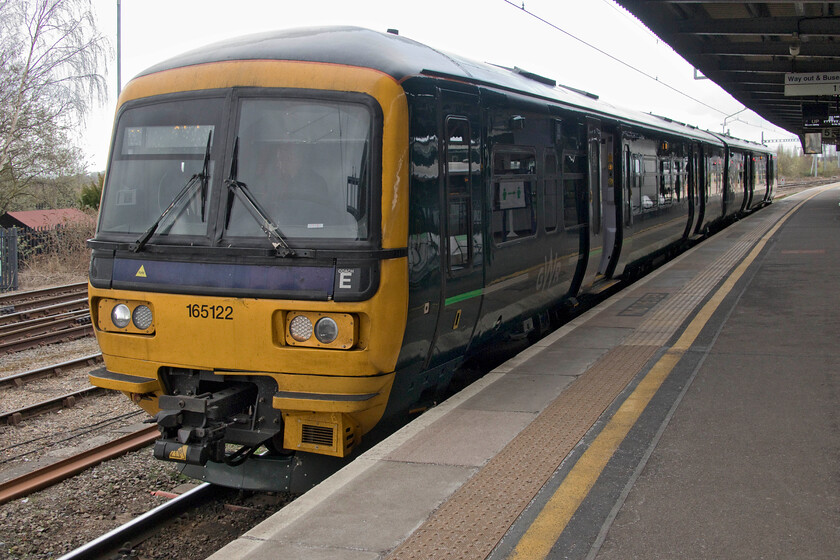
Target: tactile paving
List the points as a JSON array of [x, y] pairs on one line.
[[472, 521]]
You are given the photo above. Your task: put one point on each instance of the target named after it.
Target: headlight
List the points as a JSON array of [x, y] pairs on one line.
[[142, 317], [125, 316], [121, 316], [326, 330], [300, 328], [315, 329]]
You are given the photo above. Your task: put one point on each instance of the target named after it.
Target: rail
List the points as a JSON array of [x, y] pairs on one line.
[[18, 379], [19, 301], [41, 325], [68, 400], [51, 474], [80, 328], [21, 317], [111, 542]]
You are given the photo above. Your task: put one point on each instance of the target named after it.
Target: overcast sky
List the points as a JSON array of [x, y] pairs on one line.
[[485, 30]]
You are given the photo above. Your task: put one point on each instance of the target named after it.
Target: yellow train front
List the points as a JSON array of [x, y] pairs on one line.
[[237, 316]]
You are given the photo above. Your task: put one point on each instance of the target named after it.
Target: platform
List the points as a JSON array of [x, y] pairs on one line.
[[696, 414]]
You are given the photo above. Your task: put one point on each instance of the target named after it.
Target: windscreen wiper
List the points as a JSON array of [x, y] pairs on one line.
[[205, 176], [196, 179], [241, 191]]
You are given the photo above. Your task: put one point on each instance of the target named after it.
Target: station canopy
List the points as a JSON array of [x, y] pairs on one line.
[[780, 59]]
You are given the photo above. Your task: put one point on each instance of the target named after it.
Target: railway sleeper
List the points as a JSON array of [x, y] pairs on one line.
[[205, 413]]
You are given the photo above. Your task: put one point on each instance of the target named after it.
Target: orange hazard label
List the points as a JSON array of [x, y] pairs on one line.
[[179, 454]]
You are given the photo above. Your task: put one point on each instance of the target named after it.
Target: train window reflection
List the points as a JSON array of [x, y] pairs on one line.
[[307, 163], [551, 188], [514, 185], [158, 149], [459, 171]]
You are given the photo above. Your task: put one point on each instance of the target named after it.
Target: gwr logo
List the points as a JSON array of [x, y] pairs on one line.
[[549, 272]]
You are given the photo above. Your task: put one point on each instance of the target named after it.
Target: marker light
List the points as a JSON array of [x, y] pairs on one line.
[[121, 316], [300, 328], [326, 330], [142, 317]]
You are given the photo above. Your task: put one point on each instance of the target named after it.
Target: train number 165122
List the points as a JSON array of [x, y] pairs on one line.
[[201, 311]]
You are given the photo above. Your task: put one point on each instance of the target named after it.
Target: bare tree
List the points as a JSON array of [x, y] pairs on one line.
[[51, 59]]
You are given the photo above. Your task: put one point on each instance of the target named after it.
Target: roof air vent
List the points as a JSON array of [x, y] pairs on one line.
[[535, 77]]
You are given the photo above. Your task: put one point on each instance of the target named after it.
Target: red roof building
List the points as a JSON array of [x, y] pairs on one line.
[[44, 219]]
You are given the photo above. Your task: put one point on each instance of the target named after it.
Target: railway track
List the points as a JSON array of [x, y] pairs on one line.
[[51, 474], [111, 543], [18, 379], [46, 316], [16, 302], [72, 330], [9, 320], [799, 185], [67, 400]]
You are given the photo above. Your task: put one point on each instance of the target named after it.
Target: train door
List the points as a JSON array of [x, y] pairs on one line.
[[696, 176], [771, 177], [597, 195], [631, 198], [461, 228], [610, 204], [749, 181]]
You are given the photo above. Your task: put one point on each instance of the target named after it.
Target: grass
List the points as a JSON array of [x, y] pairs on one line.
[[57, 257]]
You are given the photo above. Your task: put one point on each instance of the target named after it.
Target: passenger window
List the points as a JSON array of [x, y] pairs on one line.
[[650, 185], [551, 188], [681, 179], [514, 183], [636, 184], [574, 171], [666, 183], [458, 194]]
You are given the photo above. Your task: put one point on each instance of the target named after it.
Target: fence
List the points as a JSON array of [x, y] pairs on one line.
[[8, 259]]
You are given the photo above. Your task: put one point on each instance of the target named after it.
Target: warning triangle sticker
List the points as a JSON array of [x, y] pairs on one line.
[[179, 454], [141, 273]]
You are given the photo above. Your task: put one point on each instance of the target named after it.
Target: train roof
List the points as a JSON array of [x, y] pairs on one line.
[[402, 58]]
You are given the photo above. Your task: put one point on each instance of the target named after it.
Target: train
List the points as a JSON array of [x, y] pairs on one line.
[[306, 236]]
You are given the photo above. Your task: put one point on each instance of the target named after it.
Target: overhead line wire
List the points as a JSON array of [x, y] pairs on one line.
[[521, 7], [605, 53], [628, 65]]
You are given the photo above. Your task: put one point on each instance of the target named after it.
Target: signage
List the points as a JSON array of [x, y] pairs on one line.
[[816, 116], [814, 83], [511, 195]]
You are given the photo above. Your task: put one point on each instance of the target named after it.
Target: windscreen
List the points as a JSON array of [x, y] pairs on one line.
[[306, 162], [157, 150]]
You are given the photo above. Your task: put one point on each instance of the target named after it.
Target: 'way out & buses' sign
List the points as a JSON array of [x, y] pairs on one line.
[[816, 83]]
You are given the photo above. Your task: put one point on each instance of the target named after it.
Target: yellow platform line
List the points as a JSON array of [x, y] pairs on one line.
[[552, 520]]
